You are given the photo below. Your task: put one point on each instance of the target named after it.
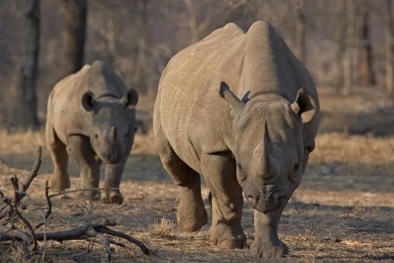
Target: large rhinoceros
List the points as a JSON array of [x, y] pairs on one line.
[[93, 113], [241, 110]]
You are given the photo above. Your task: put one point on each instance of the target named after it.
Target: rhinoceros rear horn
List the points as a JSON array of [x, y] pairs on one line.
[[304, 106], [88, 101], [130, 99], [236, 104]]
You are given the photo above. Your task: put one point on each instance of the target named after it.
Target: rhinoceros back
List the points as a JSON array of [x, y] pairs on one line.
[[191, 113], [187, 85]]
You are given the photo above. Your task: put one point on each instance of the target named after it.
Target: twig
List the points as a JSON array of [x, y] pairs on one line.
[[106, 244], [15, 185], [27, 223], [49, 211], [80, 190], [106, 230], [4, 212], [4, 162], [33, 173]]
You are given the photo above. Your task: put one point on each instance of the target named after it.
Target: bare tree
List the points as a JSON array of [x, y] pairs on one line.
[[73, 37], [27, 99], [389, 18], [300, 31], [196, 27], [350, 41], [340, 43], [365, 70]]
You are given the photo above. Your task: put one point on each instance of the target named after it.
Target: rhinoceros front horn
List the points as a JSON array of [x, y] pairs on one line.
[[112, 133], [236, 104]]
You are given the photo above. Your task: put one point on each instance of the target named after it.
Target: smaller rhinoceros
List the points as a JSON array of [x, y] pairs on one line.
[[93, 114]]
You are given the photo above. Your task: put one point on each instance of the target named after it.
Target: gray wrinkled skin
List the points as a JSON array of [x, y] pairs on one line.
[[93, 114], [241, 110]]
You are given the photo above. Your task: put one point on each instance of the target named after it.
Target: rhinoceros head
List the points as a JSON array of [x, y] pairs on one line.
[[113, 124], [269, 146]]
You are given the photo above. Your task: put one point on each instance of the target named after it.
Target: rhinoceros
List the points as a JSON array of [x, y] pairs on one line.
[[92, 113], [241, 110]]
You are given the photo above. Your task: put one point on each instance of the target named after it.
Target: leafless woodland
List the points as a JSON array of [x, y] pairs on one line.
[[345, 44]]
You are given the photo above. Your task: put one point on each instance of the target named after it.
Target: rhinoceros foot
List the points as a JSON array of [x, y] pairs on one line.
[[192, 222], [226, 237], [191, 214], [262, 249], [59, 182], [111, 197]]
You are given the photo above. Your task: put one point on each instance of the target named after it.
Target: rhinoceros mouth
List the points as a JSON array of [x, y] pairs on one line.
[[270, 205], [113, 160], [110, 159]]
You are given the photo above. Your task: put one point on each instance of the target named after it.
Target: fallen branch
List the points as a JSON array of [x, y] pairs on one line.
[[14, 210], [79, 233]]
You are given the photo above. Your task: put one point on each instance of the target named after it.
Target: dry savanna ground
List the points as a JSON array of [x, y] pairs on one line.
[[342, 212]]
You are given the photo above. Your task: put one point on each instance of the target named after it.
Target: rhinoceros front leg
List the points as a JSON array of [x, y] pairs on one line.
[[227, 201], [266, 243], [88, 164], [113, 176], [191, 213]]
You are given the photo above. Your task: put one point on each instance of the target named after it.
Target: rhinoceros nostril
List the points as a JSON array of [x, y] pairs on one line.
[[253, 200], [281, 199]]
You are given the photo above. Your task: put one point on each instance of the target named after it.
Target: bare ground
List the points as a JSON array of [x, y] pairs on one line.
[[342, 212]]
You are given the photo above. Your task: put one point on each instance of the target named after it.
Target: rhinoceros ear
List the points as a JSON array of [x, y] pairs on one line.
[[130, 99], [236, 104], [304, 106], [88, 101]]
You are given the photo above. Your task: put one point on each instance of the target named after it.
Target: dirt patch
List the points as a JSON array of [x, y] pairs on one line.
[[342, 211]]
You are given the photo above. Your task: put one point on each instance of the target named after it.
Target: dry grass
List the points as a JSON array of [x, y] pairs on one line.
[[163, 228], [342, 211]]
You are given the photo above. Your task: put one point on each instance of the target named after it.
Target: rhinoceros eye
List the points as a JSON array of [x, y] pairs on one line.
[[293, 173], [296, 167]]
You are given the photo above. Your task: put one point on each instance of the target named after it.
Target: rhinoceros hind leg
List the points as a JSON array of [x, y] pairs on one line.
[[59, 179]]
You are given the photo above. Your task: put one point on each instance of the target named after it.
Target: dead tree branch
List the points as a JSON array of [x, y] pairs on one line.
[[12, 213]]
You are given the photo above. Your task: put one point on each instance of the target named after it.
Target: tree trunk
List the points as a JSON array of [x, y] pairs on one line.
[[300, 32], [340, 44], [142, 62], [27, 99], [389, 47], [366, 73], [350, 41], [73, 36]]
